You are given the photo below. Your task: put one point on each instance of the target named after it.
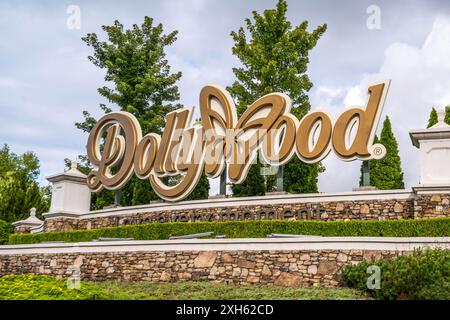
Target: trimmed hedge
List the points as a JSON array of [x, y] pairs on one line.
[[424, 275], [252, 229], [5, 229]]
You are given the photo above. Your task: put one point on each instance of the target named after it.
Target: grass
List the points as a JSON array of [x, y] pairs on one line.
[[196, 290], [34, 287]]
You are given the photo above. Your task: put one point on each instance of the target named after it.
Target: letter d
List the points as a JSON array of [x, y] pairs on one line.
[[367, 120]]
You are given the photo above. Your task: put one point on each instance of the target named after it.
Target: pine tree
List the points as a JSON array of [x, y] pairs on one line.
[[447, 115], [433, 119], [275, 59], [142, 84], [387, 174]]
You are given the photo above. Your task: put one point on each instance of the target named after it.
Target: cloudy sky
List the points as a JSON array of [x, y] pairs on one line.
[[46, 79]]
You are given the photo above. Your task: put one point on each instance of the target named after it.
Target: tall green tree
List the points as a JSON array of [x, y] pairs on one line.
[[433, 118], [19, 190], [141, 82], [387, 174], [275, 58]]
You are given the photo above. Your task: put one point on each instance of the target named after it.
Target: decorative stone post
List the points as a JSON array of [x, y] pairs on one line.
[[25, 226], [70, 195], [433, 192], [434, 146]]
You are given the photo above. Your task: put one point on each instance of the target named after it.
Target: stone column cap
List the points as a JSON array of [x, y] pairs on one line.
[[431, 189], [440, 130], [31, 221], [71, 175], [433, 133]]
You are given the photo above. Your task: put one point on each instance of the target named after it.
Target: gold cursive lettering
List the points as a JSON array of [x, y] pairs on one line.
[[116, 147]]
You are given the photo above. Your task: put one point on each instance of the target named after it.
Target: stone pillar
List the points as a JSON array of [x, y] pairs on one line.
[[434, 146], [280, 179], [366, 178], [26, 226], [70, 194], [223, 182], [366, 173], [433, 191]]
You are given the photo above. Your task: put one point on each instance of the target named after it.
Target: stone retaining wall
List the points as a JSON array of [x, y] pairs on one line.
[[22, 229], [310, 261], [287, 268], [431, 206], [349, 210], [376, 205]]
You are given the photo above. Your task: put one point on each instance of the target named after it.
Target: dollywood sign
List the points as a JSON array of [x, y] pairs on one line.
[[117, 148]]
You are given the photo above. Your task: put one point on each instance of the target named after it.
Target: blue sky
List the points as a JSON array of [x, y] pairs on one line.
[[46, 79]]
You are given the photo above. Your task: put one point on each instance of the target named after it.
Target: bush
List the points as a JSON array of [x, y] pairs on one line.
[[423, 275], [252, 229], [33, 287], [5, 229]]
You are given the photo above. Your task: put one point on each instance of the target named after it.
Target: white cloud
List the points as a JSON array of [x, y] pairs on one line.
[[8, 83], [420, 79], [327, 97], [354, 97]]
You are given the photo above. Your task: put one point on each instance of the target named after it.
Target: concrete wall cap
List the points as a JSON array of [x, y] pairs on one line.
[[245, 244]]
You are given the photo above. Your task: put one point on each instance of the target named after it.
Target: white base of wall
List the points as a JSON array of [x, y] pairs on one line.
[[256, 244]]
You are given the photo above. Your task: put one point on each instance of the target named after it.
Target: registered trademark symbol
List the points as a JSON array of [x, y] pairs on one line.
[[378, 151]]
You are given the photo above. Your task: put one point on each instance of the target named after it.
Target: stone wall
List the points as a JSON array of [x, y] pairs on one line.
[[375, 205], [432, 205], [22, 229], [325, 211], [287, 268]]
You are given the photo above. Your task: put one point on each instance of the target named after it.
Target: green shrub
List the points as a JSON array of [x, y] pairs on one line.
[[252, 229], [33, 287], [423, 275], [5, 229]]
